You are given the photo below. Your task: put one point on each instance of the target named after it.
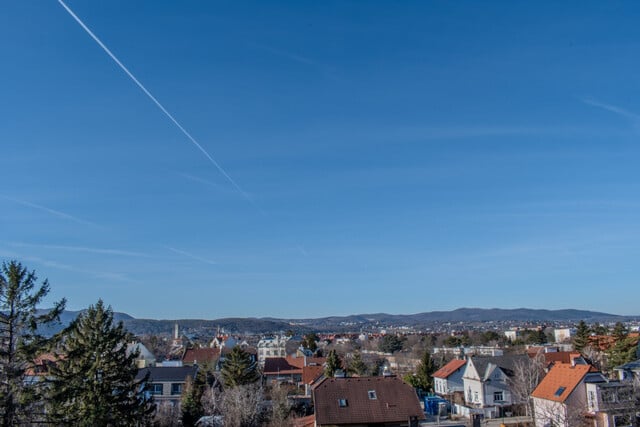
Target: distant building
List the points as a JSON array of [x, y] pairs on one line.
[[272, 347], [563, 334]]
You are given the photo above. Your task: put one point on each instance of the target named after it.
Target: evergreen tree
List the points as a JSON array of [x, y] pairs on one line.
[[581, 339], [620, 331], [191, 404], [333, 364], [390, 344], [422, 379], [624, 351], [239, 369], [94, 382], [20, 340], [309, 341], [357, 365]]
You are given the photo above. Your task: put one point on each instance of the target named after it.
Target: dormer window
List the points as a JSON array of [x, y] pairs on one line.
[[372, 394], [559, 391], [342, 403]]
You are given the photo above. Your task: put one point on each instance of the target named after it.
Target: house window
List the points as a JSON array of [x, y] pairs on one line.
[[559, 391], [475, 397], [622, 421], [155, 389], [592, 399], [608, 396], [342, 403], [497, 396], [176, 388], [372, 394]]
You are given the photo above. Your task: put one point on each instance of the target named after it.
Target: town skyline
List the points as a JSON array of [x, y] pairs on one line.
[[223, 159]]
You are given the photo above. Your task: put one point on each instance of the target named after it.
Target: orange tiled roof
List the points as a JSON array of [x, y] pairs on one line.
[[449, 368], [561, 380]]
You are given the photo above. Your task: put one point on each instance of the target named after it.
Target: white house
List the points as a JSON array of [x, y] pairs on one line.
[[486, 384], [448, 379]]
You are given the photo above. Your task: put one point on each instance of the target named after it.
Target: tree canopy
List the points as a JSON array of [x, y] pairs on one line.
[[422, 379], [94, 381], [581, 339], [390, 344], [333, 364], [20, 339], [238, 368]]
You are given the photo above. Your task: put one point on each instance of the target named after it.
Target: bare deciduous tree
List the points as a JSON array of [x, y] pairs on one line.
[[280, 407], [242, 406], [167, 415], [527, 375]]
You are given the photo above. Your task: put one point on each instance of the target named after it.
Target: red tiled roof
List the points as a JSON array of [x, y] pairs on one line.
[[365, 400], [561, 380], [449, 368], [311, 373], [201, 355], [280, 365]]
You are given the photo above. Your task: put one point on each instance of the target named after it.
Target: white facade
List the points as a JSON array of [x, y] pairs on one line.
[[271, 347], [563, 334]]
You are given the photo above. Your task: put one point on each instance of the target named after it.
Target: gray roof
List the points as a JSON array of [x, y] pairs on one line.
[[168, 373], [631, 366], [506, 363]]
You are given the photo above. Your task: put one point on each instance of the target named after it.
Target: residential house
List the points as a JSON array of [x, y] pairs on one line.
[[574, 394], [201, 356], [167, 382], [366, 401], [561, 399], [610, 403], [221, 341], [549, 356], [487, 385], [145, 357], [292, 370], [447, 381], [630, 371]]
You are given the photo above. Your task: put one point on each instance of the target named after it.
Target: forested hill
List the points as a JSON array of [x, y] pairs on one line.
[[353, 322]]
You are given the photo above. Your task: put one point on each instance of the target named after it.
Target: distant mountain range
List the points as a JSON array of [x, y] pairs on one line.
[[353, 322]]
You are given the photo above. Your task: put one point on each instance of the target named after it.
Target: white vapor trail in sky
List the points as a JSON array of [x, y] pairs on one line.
[[49, 210], [155, 101]]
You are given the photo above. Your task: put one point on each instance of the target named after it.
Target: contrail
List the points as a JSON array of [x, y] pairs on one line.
[[49, 210], [155, 101]]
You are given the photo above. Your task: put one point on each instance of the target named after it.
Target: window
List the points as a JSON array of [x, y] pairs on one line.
[[176, 388], [372, 394], [498, 396], [475, 397], [559, 391], [155, 389], [622, 421], [608, 396], [342, 403]]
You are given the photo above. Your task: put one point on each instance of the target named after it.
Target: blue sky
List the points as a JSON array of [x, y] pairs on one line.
[[394, 157]]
